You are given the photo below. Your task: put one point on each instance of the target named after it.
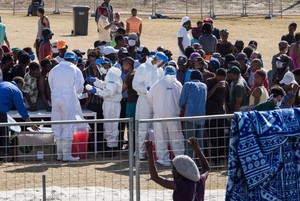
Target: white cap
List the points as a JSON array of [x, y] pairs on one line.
[[109, 50], [186, 167], [184, 20], [54, 47], [288, 78]]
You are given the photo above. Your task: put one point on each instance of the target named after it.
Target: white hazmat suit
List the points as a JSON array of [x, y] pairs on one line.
[[111, 91], [66, 83], [145, 76], [164, 97]]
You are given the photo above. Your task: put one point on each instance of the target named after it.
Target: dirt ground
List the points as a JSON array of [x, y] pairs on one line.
[[21, 31]]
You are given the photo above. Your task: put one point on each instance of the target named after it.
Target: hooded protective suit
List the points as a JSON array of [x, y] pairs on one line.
[[145, 76], [111, 91], [66, 83], [164, 97]]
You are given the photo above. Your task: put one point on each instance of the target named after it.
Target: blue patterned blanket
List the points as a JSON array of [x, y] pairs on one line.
[[264, 156]]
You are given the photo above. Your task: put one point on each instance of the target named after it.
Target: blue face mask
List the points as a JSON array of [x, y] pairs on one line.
[[138, 56], [32, 57]]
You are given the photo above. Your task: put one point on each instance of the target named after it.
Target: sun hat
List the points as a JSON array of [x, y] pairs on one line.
[[186, 167]]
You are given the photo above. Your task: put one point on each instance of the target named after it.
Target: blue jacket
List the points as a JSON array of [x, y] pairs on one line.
[[193, 99], [11, 95]]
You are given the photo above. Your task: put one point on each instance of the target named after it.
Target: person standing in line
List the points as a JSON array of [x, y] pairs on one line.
[[42, 23], [290, 37], [166, 90], [3, 36], [183, 36], [66, 83], [104, 25], [189, 183], [193, 93], [295, 51]]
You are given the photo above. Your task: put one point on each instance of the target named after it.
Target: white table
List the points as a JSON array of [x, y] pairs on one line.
[[45, 114]]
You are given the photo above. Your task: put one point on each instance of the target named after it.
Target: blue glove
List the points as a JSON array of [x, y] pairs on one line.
[[91, 89], [148, 88], [90, 79]]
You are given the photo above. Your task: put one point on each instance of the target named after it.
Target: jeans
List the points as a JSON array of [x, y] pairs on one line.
[[192, 130], [4, 140]]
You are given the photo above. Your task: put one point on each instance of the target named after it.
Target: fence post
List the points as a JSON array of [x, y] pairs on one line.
[[56, 10], [14, 7], [244, 9], [201, 8], [270, 16], [137, 161], [131, 158], [44, 188]]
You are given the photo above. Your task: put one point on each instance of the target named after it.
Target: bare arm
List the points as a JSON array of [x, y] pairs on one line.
[[127, 27], [193, 142], [238, 103], [153, 171], [6, 41], [180, 39], [42, 91], [46, 22], [256, 94], [140, 29]]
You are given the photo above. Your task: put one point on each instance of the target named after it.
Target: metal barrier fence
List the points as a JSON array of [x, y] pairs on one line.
[[32, 172], [203, 8], [214, 144]]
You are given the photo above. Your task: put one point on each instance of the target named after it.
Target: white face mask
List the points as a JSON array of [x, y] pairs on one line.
[[279, 64], [131, 42], [103, 70], [278, 103]]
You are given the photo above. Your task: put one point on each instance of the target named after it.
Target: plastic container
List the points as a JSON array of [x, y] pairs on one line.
[[80, 142], [81, 19]]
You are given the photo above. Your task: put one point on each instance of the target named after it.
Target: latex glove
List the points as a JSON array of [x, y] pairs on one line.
[[90, 79], [91, 89], [148, 88]]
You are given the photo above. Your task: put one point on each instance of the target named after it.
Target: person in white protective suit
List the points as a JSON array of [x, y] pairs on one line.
[[111, 91], [145, 76], [66, 83], [167, 90]]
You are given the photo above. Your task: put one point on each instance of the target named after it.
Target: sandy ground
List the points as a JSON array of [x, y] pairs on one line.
[[21, 31]]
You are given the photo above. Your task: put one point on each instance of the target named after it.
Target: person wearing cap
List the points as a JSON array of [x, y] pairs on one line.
[[141, 55], [199, 64], [145, 76], [290, 37], [167, 90], [258, 93], [15, 52], [290, 86], [253, 44], [182, 68], [62, 48], [274, 101], [6, 64], [66, 84], [45, 46], [108, 6], [238, 90], [295, 51], [254, 66], [215, 31], [133, 43], [20, 68], [218, 94], [283, 49], [11, 95], [242, 59], [193, 93], [43, 22], [213, 65], [3, 36], [134, 23], [104, 25], [224, 47], [183, 36], [189, 183], [111, 92], [29, 51], [208, 40], [282, 68], [110, 53]]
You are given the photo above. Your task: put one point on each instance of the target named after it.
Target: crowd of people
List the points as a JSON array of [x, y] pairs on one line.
[[121, 78]]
